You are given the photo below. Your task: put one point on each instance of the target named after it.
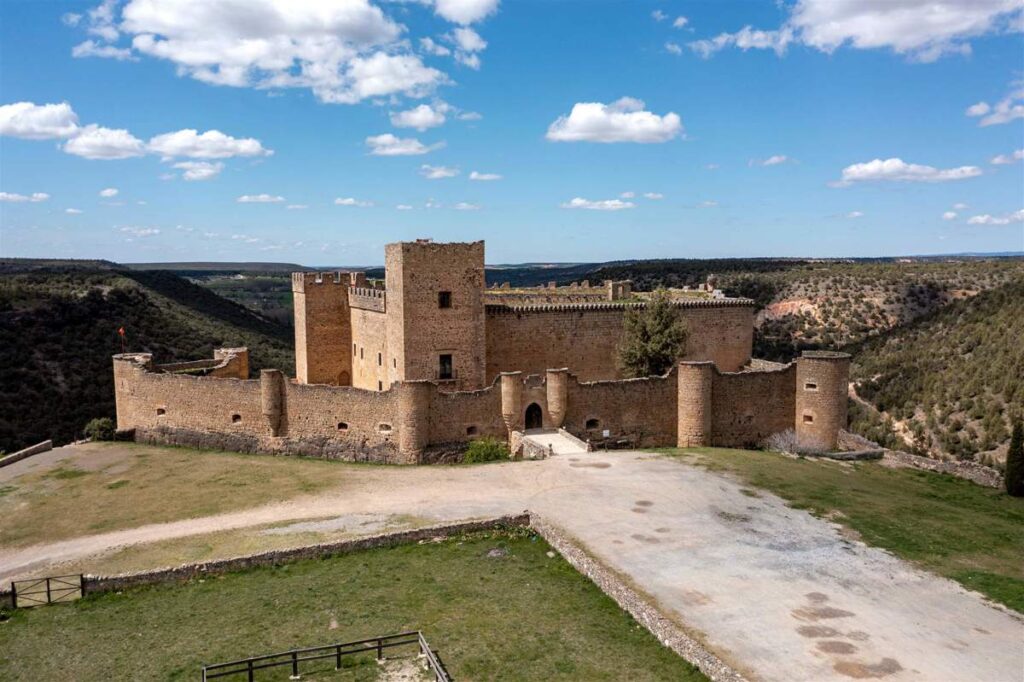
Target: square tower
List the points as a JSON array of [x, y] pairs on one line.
[[323, 330], [435, 321]]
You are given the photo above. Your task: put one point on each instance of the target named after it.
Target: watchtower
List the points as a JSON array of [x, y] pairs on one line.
[[323, 328], [821, 397]]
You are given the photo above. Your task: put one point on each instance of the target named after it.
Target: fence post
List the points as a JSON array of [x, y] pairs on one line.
[[337, 665], [250, 671], [81, 585], [295, 666], [48, 591], [14, 595], [380, 649]]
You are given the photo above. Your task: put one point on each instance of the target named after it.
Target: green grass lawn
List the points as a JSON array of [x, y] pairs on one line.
[[952, 527], [111, 486], [523, 616]]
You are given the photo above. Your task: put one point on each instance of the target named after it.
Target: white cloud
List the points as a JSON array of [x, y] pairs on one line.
[[1008, 219], [949, 215], [959, 207], [923, 30], [34, 198], [774, 160], [658, 15], [71, 19], [628, 195], [96, 142], [712, 166], [430, 46], [464, 206], [90, 48], [621, 121], [403, 207], [465, 11], [199, 170], [602, 205], [680, 22], [421, 117], [674, 48], [438, 172], [1004, 159], [469, 116], [212, 144], [855, 214], [390, 145], [896, 170], [431, 203], [141, 231], [1010, 108], [653, 196], [710, 203], [32, 121], [109, 192], [468, 40], [259, 199], [484, 177], [349, 201], [296, 207], [73, 211]]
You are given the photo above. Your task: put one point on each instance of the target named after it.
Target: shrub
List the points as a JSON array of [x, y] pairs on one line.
[[101, 428], [787, 442], [485, 449], [1015, 462]]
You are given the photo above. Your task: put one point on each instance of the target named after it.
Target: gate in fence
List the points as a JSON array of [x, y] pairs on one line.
[[52, 590]]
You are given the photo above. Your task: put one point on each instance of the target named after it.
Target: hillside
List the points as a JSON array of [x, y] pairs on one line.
[[950, 382], [58, 329]]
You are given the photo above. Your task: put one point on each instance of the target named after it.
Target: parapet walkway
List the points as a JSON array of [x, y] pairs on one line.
[[773, 591], [555, 441]]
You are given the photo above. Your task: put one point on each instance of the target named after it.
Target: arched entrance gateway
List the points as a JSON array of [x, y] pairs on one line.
[[534, 417]]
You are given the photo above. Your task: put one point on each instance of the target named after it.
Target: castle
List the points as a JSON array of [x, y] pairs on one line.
[[409, 370]]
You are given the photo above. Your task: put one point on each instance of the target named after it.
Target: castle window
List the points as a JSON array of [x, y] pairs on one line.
[[353, 350], [808, 419], [384, 428], [380, 385], [394, 362], [810, 386], [445, 371], [342, 426], [360, 353], [593, 424], [444, 299], [470, 430], [236, 419], [380, 359], [160, 411]]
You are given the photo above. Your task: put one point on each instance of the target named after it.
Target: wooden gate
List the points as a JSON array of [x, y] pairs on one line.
[[39, 591]]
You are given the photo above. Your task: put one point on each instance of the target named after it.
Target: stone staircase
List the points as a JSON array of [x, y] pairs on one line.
[[538, 443]]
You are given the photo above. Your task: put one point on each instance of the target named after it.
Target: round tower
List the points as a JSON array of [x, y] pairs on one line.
[[512, 400], [822, 378], [694, 404], [272, 398], [413, 420], [557, 382]]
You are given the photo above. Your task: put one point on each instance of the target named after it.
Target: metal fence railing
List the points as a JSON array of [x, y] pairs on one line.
[[292, 658], [39, 591]]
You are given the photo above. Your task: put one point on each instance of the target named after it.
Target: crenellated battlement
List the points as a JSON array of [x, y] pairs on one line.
[[300, 280], [366, 298], [511, 308]]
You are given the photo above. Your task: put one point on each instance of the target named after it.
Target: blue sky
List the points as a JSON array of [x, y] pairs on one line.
[[758, 141]]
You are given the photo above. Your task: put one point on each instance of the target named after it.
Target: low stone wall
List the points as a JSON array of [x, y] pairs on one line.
[[972, 471], [636, 605], [45, 446]]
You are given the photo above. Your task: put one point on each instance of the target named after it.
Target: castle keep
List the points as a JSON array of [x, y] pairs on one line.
[[414, 367]]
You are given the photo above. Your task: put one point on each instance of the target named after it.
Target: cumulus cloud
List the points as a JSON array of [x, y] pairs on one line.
[[430, 46], [421, 117], [774, 160], [212, 144], [1003, 159], [923, 30], [628, 195], [484, 177], [97, 142], [654, 196], [438, 172], [1008, 219], [350, 201], [897, 170], [469, 116], [673, 48], [680, 22], [1010, 108], [90, 48], [31, 121], [624, 120], [658, 15], [465, 11], [403, 207], [855, 214], [949, 215], [959, 207], [259, 199], [390, 145], [199, 170], [73, 211], [34, 198], [465, 206], [602, 205], [109, 192]]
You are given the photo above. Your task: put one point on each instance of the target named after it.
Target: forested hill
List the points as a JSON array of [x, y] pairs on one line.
[[952, 381], [58, 330]]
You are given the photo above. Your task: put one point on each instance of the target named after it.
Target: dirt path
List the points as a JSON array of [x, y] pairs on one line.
[[774, 591]]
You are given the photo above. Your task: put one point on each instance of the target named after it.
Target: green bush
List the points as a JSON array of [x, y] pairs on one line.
[[101, 428], [485, 449]]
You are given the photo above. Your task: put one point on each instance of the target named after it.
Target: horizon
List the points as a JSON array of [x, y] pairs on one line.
[[141, 130]]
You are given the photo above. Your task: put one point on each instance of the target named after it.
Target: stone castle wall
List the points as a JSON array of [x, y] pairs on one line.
[[371, 364], [586, 338], [747, 407]]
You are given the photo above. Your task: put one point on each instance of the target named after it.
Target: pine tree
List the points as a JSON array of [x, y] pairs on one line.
[[1015, 462], [655, 337]]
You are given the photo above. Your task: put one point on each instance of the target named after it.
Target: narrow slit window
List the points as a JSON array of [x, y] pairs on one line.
[[236, 419], [444, 370], [444, 299], [808, 419], [810, 386], [160, 411]]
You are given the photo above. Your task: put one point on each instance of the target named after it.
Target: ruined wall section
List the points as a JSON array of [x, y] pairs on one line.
[[419, 329], [585, 338], [635, 412], [747, 407]]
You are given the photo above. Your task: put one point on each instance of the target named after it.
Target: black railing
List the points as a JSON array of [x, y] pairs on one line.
[[40, 591], [292, 658]]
